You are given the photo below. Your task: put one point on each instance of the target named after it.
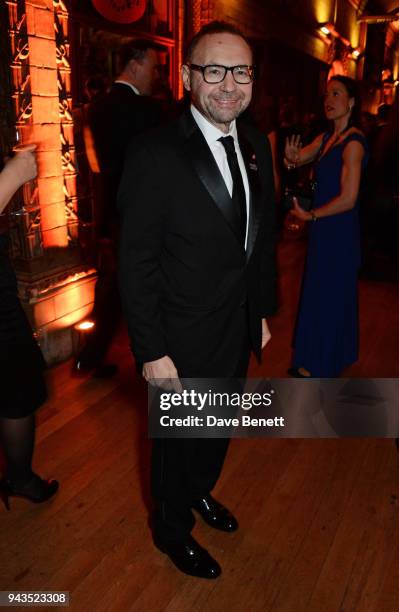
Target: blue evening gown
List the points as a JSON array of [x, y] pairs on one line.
[[326, 334]]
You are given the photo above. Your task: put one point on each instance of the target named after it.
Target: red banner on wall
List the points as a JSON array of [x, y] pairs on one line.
[[121, 11]]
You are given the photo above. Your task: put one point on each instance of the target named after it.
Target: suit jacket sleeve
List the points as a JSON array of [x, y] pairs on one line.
[[109, 131], [140, 203], [115, 120], [268, 263]]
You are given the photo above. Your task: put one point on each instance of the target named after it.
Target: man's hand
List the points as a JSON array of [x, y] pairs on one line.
[[266, 335], [162, 373]]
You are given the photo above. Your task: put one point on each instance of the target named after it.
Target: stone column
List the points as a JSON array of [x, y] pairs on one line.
[[55, 288]]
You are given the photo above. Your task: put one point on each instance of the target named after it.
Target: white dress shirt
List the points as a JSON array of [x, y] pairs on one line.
[[212, 135]]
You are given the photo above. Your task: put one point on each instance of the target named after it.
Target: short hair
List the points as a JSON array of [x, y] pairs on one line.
[[136, 50], [383, 112], [213, 27]]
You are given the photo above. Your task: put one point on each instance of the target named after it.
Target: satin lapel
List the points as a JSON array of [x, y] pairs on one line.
[[207, 170], [251, 165]]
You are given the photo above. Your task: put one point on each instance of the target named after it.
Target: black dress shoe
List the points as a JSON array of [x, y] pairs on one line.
[[190, 558], [36, 491], [105, 370], [215, 514]]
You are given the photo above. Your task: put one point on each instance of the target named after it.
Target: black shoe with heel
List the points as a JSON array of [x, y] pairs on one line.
[[36, 491]]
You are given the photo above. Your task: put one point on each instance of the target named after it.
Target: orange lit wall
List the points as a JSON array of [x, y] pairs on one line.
[[55, 287], [47, 122]]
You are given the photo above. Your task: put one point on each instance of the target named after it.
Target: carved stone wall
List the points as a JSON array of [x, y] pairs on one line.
[[25, 230], [56, 289], [66, 122]]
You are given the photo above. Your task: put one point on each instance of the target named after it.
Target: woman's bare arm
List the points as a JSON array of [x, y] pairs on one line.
[[17, 171], [350, 183]]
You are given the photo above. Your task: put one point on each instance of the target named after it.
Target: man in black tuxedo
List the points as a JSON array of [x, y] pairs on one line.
[[197, 269], [115, 118]]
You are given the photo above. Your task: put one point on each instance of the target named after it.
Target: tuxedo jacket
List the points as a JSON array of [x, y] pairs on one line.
[[186, 282], [115, 119]]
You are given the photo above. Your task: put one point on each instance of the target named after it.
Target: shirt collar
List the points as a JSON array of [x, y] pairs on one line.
[[136, 91], [212, 133]]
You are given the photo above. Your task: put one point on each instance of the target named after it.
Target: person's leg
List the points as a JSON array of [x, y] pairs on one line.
[[206, 459], [172, 518], [17, 437], [206, 455], [182, 469], [106, 315]]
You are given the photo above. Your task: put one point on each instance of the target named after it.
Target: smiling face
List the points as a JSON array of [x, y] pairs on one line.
[[337, 102], [223, 102]]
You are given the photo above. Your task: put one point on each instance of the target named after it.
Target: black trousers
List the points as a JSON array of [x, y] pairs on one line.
[[106, 313], [185, 469]]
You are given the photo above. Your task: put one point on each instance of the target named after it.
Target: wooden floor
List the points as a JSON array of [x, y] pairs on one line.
[[319, 519]]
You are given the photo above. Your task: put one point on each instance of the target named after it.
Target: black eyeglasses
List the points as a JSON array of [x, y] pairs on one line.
[[216, 74]]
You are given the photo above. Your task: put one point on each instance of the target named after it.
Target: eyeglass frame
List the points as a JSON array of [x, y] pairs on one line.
[[226, 70]]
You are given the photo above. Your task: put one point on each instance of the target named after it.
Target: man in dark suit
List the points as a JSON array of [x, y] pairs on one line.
[[197, 273], [115, 118]]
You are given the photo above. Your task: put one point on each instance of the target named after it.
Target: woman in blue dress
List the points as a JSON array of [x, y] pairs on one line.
[[326, 335]]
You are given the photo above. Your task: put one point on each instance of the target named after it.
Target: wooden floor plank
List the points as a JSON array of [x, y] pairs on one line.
[[345, 457], [319, 519], [362, 515]]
